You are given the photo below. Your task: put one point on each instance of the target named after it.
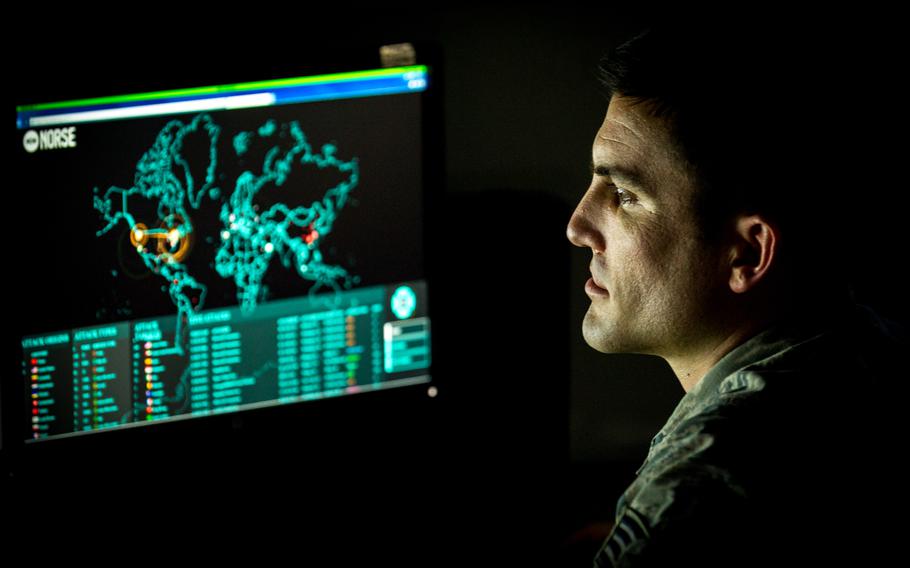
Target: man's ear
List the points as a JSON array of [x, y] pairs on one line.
[[753, 252]]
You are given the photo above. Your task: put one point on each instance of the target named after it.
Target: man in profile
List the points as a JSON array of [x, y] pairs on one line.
[[719, 234]]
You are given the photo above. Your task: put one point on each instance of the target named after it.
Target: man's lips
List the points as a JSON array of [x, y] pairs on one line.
[[594, 288]]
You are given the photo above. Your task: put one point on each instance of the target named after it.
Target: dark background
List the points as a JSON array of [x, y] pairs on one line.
[[534, 434]]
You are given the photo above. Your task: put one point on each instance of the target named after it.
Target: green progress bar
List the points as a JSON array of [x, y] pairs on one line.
[[275, 83]]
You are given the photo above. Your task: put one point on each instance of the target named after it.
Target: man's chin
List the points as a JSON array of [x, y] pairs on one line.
[[595, 336]]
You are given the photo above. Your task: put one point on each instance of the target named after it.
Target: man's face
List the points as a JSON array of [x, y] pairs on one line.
[[658, 283]]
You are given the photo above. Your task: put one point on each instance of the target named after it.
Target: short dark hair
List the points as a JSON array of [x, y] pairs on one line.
[[754, 117]]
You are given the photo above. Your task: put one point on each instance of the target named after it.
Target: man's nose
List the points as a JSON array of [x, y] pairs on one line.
[[581, 231]]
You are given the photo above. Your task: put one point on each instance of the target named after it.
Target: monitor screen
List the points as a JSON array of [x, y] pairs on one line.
[[221, 248]]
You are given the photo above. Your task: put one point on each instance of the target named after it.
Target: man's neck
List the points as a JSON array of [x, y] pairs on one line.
[[691, 369], [693, 364]]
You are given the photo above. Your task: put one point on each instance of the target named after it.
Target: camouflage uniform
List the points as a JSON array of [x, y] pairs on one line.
[[783, 454]]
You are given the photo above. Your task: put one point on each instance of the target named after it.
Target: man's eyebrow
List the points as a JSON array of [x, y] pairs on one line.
[[617, 172]]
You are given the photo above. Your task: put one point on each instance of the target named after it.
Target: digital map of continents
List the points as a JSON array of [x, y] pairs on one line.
[[253, 232]]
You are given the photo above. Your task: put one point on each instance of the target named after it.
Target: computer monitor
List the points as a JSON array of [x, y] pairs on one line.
[[214, 249]]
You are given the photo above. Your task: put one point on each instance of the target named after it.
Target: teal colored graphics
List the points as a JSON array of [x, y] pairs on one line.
[[252, 237], [258, 220], [404, 302], [164, 176]]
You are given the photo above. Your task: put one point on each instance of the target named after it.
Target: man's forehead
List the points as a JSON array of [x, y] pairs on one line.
[[632, 135], [618, 137], [633, 140], [629, 129]]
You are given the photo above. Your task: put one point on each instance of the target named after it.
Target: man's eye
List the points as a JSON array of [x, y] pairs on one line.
[[624, 197]]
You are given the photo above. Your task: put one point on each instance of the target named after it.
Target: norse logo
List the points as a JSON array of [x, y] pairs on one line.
[[30, 141]]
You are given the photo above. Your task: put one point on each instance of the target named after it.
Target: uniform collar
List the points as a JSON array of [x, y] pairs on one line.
[[763, 348], [775, 340]]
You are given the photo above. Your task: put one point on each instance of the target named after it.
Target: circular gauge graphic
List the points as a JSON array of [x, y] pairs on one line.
[[404, 302]]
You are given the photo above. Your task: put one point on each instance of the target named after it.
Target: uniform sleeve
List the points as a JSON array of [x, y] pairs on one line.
[[702, 520], [686, 506]]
